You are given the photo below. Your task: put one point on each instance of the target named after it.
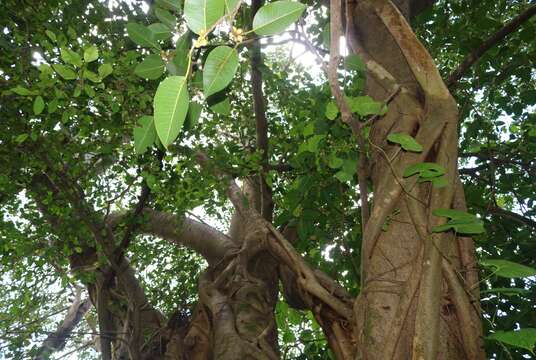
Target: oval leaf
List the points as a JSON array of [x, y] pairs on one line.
[[151, 67], [65, 72], [166, 17], [201, 15], [160, 31], [219, 70], [406, 141], [38, 105], [144, 135], [170, 108], [275, 17], [91, 54], [141, 35]]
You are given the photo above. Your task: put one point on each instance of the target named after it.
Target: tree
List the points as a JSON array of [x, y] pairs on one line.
[[339, 227]]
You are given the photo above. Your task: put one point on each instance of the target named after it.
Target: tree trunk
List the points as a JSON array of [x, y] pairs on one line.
[[416, 299]]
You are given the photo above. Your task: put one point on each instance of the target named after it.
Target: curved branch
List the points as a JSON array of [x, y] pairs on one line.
[[202, 238], [493, 40]]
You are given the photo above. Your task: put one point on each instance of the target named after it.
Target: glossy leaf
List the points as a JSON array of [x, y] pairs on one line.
[[170, 108], [220, 68], [275, 17], [201, 15], [425, 170]]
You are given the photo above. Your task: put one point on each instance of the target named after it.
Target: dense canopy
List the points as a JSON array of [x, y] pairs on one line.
[[168, 165]]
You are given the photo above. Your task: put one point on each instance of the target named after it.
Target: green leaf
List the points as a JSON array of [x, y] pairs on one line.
[[460, 221], [425, 170], [160, 31], [105, 70], [344, 176], [406, 141], [335, 162], [166, 17], [70, 57], [22, 91], [90, 75], [220, 68], [365, 105], [91, 54], [51, 35], [331, 110], [194, 112], [141, 35], [178, 65], [276, 16], [170, 4], [170, 108], [222, 107], [506, 291], [508, 269], [152, 67], [230, 5], [354, 62], [522, 338], [201, 15], [38, 105], [144, 135], [64, 71]]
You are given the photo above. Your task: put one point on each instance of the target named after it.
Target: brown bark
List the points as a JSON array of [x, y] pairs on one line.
[[407, 309]]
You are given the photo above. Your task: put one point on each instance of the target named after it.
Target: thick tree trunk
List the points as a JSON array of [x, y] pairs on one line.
[[414, 303]]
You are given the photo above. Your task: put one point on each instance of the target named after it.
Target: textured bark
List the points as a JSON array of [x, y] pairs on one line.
[[407, 309]]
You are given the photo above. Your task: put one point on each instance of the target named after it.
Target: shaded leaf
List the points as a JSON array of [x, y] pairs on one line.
[[166, 17], [141, 35], [354, 62], [160, 31], [152, 67], [38, 105], [425, 170], [144, 135]]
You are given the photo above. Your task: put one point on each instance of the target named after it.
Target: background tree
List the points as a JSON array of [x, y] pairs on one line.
[[179, 183]]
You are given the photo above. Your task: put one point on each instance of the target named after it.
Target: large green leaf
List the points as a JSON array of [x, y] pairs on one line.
[[275, 17], [152, 67], [459, 221], [170, 108], [522, 338], [331, 110], [230, 5], [65, 72], [406, 141], [220, 68], [201, 15], [70, 57], [508, 269], [144, 135], [354, 62], [222, 107], [142, 35]]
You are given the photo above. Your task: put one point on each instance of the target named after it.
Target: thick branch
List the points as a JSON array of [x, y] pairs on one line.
[[56, 341], [493, 40]]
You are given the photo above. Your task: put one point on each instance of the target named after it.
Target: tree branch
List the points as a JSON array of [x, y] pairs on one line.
[[56, 341], [493, 40]]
